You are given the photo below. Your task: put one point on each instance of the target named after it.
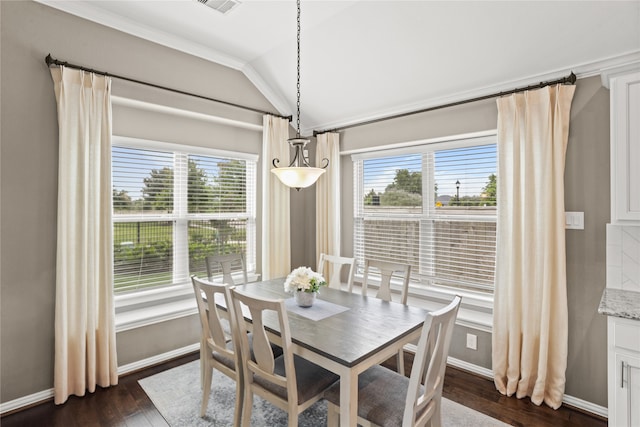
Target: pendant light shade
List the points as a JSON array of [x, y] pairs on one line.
[[299, 174], [298, 178]]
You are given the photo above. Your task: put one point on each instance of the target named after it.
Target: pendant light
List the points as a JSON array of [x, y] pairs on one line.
[[299, 174]]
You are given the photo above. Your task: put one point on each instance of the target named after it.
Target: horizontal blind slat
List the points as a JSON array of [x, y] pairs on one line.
[[215, 214], [397, 220]]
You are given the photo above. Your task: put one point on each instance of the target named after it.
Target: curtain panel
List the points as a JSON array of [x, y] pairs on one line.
[[328, 195], [85, 340], [530, 336], [276, 228]]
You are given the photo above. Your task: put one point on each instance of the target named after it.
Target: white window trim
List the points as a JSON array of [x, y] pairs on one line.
[[145, 307], [148, 144], [476, 309], [472, 136], [413, 149]]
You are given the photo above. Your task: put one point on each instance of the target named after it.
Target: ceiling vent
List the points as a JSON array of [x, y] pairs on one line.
[[222, 6]]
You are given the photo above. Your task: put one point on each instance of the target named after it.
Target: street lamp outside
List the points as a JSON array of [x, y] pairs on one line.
[[458, 191]]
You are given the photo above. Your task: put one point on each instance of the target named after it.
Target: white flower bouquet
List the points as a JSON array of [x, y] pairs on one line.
[[304, 279]]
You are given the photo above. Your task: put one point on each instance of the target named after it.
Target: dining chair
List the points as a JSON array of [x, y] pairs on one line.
[[336, 264], [226, 264], [386, 271], [387, 398], [218, 349], [288, 381]]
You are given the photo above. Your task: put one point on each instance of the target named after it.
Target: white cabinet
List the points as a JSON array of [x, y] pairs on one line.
[[624, 372], [625, 148]]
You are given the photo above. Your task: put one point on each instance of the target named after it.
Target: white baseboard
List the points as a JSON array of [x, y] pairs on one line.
[[479, 370], [569, 400], [25, 401], [45, 395], [154, 360], [586, 406], [131, 367]]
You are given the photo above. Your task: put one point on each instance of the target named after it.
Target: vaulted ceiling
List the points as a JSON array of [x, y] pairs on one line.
[[366, 59]]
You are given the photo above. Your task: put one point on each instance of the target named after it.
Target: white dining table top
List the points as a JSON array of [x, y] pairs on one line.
[[366, 326]]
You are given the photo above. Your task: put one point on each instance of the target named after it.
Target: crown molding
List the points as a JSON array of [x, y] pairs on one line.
[[275, 98], [91, 12], [117, 22], [613, 70], [606, 67], [625, 61]]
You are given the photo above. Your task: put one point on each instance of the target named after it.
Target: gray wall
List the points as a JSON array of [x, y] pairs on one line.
[[28, 168], [586, 190], [28, 171]]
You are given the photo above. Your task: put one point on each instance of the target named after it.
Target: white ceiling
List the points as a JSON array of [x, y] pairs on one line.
[[366, 59]]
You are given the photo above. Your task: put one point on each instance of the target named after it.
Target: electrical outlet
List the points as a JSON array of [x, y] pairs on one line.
[[472, 341]]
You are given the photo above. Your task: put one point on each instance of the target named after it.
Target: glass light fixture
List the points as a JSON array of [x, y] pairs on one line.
[[299, 174]]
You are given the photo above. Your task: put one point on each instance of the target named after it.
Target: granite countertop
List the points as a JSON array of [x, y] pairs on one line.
[[619, 303]]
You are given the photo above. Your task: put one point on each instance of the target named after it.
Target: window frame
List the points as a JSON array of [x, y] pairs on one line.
[[477, 307], [140, 307]]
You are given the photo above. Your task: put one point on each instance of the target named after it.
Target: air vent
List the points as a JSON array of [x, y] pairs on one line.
[[222, 6]]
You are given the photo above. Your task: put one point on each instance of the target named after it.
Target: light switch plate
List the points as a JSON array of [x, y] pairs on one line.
[[574, 220]]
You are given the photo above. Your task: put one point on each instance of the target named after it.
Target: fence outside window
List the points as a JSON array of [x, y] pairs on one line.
[[173, 207], [433, 207]]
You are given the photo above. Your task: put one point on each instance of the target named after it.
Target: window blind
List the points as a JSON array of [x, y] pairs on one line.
[[433, 209], [142, 181], [216, 185], [174, 208]]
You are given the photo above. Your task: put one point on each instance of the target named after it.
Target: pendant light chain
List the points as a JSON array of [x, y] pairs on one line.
[[299, 174], [298, 84]]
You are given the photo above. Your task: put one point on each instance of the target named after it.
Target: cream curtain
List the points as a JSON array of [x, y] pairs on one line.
[[530, 302], [276, 230], [85, 339], [328, 195]]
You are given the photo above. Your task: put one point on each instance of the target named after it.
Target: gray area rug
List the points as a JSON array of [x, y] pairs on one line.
[[177, 395]]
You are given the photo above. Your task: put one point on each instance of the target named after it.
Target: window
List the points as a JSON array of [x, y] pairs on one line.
[[432, 206], [173, 206]]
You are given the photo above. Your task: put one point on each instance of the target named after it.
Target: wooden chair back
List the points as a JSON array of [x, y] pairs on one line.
[[212, 318], [387, 270], [429, 366], [227, 265], [270, 377], [263, 362], [218, 330], [335, 266]]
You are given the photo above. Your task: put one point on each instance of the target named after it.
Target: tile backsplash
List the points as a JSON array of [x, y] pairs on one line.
[[623, 257]]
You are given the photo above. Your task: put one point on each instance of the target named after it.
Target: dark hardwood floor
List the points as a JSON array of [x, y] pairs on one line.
[[127, 404]]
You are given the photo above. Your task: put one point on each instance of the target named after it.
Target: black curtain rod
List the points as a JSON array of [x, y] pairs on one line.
[[52, 61], [570, 79]]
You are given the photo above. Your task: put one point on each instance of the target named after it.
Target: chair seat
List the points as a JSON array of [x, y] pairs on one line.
[[311, 379], [231, 364], [226, 361], [382, 395]]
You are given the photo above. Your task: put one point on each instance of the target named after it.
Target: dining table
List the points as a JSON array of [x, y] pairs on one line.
[[345, 333]]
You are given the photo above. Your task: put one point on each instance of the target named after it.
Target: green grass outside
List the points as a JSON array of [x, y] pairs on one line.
[[153, 239], [141, 232], [123, 282]]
